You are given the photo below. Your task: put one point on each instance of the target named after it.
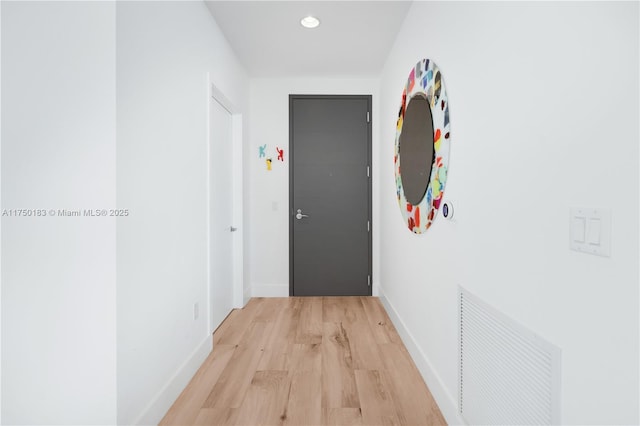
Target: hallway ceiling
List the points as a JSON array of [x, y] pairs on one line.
[[354, 37]]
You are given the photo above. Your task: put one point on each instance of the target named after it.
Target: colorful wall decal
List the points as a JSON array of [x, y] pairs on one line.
[[269, 164], [280, 153], [425, 79], [262, 151]]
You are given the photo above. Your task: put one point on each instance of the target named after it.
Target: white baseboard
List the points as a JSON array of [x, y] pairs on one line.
[[165, 398], [270, 290], [447, 403]]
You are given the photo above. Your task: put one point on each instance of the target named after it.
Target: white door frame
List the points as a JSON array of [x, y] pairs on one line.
[[215, 94]]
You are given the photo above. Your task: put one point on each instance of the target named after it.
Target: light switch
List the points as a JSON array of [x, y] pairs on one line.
[[578, 229], [593, 231], [590, 230]]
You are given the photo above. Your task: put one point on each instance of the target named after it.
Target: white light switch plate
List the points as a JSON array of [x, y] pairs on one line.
[[590, 230]]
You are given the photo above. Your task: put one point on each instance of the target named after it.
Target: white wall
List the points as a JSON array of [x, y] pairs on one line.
[[0, 219], [544, 116], [164, 51], [269, 190], [58, 152]]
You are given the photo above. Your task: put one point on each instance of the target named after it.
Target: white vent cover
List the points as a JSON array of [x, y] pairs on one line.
[[508, 375]]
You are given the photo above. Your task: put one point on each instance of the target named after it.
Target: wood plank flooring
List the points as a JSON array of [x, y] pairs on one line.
[[307, 361]]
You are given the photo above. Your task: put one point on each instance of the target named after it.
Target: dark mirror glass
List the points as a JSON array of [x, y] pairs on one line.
[[416, 149]]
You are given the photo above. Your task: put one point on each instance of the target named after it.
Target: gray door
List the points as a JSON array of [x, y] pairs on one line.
[[330, 195]]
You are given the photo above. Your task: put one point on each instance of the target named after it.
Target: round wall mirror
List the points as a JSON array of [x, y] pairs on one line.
[[422, 146], [416, 149]]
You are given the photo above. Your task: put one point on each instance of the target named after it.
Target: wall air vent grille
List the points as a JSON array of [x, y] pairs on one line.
[[507, 374]]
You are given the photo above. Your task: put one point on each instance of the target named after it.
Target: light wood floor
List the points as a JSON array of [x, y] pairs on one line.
[[307, 361]]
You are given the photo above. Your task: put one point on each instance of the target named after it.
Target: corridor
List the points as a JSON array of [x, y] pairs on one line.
[[307, 361]]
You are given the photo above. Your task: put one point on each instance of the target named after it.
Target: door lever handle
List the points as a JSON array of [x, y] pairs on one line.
[[233, 229], [299, 214]]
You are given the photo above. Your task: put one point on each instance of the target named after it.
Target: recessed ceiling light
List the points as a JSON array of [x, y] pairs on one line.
[[309, 22]]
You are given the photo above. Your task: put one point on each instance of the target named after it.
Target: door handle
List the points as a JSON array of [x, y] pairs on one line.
[[299, 215], [233, 229]]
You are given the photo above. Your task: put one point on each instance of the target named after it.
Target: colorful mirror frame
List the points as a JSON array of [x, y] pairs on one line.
[[425, 79]]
